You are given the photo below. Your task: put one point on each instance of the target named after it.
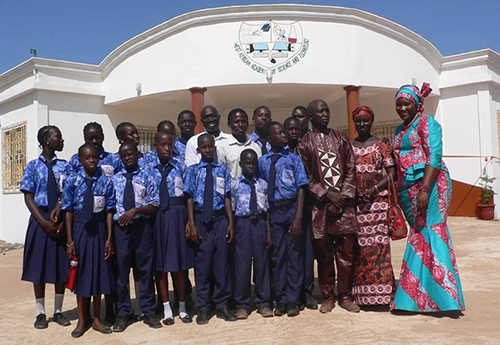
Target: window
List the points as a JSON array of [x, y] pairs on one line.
[[14, 156], [147, 135]]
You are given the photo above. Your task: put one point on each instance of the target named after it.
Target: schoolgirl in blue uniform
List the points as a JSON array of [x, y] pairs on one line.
[[128, 131], [287, 179], [251, 237], [137, 197], [45, 259], [211, 227], [108, 162], [173, 253], [89, 204]]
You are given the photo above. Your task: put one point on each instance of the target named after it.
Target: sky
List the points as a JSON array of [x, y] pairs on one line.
[[88, 30]]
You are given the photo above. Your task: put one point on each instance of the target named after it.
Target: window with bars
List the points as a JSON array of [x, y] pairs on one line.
[[147, 135], [14, 156], [381, 129]]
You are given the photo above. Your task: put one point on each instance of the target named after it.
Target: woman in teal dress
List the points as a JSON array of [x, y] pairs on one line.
[[429, 280]]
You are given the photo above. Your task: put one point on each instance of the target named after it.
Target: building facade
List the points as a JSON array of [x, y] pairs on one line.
[[280, 56]]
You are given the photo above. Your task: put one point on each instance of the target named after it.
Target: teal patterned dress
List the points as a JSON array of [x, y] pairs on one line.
[[429, 280]]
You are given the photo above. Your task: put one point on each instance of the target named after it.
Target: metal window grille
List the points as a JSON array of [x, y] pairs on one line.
[[14, 156], [147, 135]]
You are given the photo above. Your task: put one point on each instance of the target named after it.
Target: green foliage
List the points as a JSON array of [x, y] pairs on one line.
[[487, 191]]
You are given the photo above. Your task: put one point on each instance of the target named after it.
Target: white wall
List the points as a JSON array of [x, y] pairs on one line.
[[208, 59]]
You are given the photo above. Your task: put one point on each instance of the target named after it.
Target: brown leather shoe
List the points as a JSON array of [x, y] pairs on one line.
[[348, 304], [242, 314], [265, 312], [327, 305]]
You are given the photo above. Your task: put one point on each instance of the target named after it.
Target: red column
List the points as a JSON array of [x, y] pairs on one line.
[[197, 103], [352, 96]]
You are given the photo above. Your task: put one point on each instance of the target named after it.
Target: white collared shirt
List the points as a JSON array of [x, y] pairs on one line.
[[192, 155], [228, 153]]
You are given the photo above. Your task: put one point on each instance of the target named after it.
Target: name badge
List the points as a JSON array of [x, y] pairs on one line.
[[107, 170], [220, 185], [99, 203], [140, 193], [288, 176], [179, 186]]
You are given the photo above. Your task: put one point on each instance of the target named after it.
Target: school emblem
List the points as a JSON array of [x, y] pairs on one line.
[[272, 46]]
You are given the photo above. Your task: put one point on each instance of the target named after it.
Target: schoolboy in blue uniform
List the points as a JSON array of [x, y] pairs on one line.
[[210, 224], [45, 259], [251, 237], [137, 197], [89, 203], [173, 252], [187, 124], [287, 179], [108, 162], [294, 130]]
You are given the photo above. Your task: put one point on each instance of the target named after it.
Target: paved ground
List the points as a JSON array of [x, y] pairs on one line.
[[477, 245]]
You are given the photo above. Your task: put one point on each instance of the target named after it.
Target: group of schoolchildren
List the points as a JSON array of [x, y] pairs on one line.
[[213, 202]]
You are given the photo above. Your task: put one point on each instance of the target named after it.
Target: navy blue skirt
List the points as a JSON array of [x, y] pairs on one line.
[[173, 253], [45, 259], [95, 275]]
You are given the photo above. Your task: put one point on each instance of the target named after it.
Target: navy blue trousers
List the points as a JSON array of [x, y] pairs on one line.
[[212, 260], [250, 242], [288, 255], [308, 286], [134, 247]]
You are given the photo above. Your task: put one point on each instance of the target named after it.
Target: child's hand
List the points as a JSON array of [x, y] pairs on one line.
[[71, 251], [336, 199], [50, 228], [230, 233], [127, 217], [269, 242], [56, 212], [296, 227], [61, 230], [194, 234], [108, 249]]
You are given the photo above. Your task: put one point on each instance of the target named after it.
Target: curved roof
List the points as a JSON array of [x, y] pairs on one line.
[[280, 11]]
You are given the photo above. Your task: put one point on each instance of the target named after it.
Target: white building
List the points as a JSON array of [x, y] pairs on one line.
[[245, 56]]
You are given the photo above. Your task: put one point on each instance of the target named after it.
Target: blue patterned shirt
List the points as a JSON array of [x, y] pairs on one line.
[[194, 184], [75, 188], [240, 196], [180, 148], [175, 181], [145, 190], [255, 138], [290, 174], [108, 162], [35, 178]]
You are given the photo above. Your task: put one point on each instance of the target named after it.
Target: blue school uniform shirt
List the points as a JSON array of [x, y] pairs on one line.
[[175, 179], [145, 189], [255, 138], [241, 192], [108, 162], [194, 184], [180, 149], [75, 188], [290, 174], [35, 178]]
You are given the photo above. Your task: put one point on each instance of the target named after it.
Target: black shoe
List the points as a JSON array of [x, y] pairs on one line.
[[280, 310], [168, 321], [137, 317], [41, 322], [78, 334], [202, 318], [310, 302], [186, 319], [105, 330], [61, 320], [121, 323], [152, 322], [226, 314], [292, 310]]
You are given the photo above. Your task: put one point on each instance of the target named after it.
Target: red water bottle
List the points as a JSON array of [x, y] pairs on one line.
[[73, 273]]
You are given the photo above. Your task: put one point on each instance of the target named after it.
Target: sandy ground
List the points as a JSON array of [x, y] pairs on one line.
[[477, 245]]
